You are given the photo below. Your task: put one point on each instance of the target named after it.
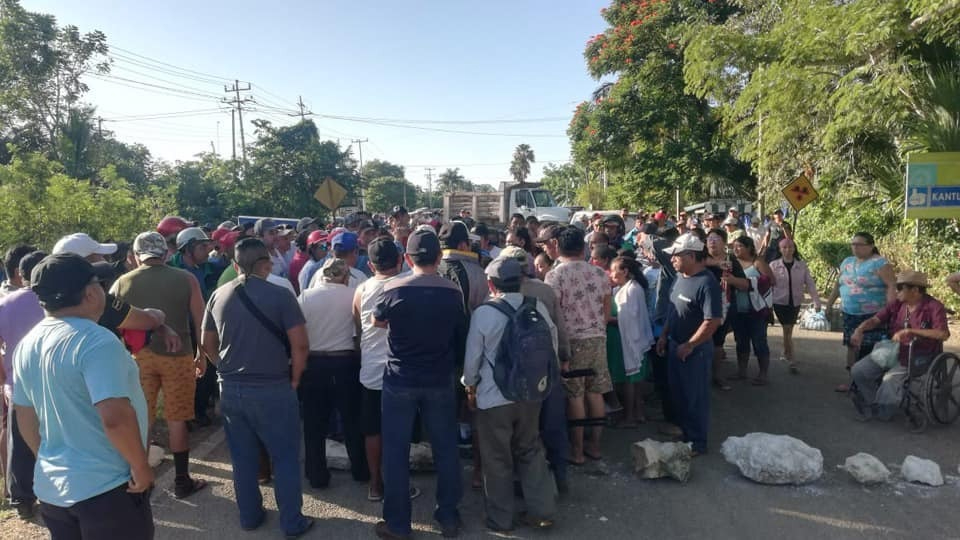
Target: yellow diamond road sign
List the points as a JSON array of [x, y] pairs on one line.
[[800, 192], [330, 194]]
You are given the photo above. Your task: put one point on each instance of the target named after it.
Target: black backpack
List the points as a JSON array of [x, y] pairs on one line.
[[526, 368], [455, 272]]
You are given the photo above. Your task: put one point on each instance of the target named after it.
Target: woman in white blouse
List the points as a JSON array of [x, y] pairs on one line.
[[636, 334]]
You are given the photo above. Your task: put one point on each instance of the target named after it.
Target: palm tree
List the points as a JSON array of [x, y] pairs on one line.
[[522, 158]]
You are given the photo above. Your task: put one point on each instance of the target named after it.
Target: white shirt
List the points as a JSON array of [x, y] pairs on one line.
[[279, 264], [636, 333], [328, 309], [283, 282], [483, 341], [356, 278], [375, 350]]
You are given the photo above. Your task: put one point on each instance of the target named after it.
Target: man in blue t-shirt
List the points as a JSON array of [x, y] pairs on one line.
[[427, 332], [695, 312], [81, 409]]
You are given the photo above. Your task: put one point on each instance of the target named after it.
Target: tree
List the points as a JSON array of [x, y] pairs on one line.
[[287, 165], [643, 130], [563, 181], [376, 168], [74, 145], [41, 66], [520, 165], [451, 180], [385, 192]]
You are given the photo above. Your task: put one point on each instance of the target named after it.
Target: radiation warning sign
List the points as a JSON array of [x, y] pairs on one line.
[[800, 192]]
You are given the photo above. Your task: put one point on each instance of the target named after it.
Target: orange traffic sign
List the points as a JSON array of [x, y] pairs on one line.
[[800, 192], [330, 193]]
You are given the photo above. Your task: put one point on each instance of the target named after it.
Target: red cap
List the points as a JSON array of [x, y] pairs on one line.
[[171, 225], [660, 215], [316, 237], [229, 240]]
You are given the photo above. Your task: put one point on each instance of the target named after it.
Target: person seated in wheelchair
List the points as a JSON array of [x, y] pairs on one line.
[[917, 321]]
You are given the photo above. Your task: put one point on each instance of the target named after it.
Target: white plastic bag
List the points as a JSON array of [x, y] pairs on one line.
[[812, 319], [885, 354]]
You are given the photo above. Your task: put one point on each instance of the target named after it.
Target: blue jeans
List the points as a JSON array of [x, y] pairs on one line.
[[749, 328], [437, 407], [689, 381], [268, 413]]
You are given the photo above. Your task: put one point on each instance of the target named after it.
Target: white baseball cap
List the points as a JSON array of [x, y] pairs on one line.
[[81, 244], [685, 242]]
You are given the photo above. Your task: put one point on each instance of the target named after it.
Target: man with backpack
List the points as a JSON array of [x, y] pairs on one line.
[[511, 365], [461, 265]]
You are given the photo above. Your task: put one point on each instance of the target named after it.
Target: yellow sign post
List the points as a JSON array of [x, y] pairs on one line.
[[933, 185], [330, 193], [800, 192]]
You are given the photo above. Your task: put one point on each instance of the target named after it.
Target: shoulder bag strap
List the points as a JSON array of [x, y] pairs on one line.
[[267, 323]]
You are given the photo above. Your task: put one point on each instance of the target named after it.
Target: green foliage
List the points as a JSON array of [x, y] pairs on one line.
[[520, 165], [563, 181], [644, 129], [41, 66], [451, 180], [41, 204], [376, 168], [385, 192]]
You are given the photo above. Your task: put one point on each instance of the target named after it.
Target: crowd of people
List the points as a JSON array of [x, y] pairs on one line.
[[381, 331]]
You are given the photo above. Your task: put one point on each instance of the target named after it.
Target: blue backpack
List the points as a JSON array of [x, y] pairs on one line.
[[526, 368]]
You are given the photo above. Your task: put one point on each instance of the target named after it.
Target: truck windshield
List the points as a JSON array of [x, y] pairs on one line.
[[543, 198]]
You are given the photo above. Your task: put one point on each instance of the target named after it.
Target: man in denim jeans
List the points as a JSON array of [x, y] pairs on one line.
[[427, 325], [258, 386]]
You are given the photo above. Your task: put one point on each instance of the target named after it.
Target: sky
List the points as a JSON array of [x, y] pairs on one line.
[[512, 71]]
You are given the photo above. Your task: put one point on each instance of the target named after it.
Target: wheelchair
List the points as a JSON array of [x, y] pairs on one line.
[[930, 391]]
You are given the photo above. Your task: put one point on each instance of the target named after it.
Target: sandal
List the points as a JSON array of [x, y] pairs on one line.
[[595, 457], [182, 490], [720, 385], [374, 497]]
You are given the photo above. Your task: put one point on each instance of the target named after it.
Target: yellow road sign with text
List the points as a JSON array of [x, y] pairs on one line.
[[330, 193], [800, 192]]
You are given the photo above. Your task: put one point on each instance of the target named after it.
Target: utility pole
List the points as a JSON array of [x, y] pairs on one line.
[[303, 114], [359, 142], [238, 103], [233, 132], [429, 175], [100, 127]]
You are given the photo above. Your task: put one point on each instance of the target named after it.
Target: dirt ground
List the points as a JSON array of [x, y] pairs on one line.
[[608, 500]]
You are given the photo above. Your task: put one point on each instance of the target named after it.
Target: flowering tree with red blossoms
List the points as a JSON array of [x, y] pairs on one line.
[[641, 126]]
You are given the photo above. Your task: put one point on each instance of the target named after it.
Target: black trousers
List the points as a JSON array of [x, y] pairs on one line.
[[20, 463], [331, 382], [206, 388], [108, 516]]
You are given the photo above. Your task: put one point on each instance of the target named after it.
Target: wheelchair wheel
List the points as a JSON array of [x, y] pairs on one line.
[[940, 392]]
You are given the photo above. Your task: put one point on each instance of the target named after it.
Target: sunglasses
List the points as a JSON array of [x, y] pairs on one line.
[[901, 286]]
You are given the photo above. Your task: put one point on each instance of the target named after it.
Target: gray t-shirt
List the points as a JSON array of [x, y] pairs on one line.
[[249, 352]]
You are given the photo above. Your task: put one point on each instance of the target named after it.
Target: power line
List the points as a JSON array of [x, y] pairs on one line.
[[122, 59], [151, 85], [175, 84], [112, 80], [441, 130], [200, 73], [239, 104]]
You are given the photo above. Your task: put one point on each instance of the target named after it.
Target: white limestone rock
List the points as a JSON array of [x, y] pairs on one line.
[[155, 455], [923, 471], [421, 456], [655, 459], [866, 469], [773, 459]]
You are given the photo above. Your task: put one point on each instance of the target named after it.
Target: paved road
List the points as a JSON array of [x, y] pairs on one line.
[[716, 503]]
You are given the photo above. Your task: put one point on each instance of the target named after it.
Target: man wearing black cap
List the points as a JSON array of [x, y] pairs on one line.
[[386, 262], [81, 410], [509, 430], [461, 265], [426, 323]]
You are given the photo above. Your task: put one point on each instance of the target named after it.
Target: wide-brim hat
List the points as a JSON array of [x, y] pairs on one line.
[[911, 277]]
